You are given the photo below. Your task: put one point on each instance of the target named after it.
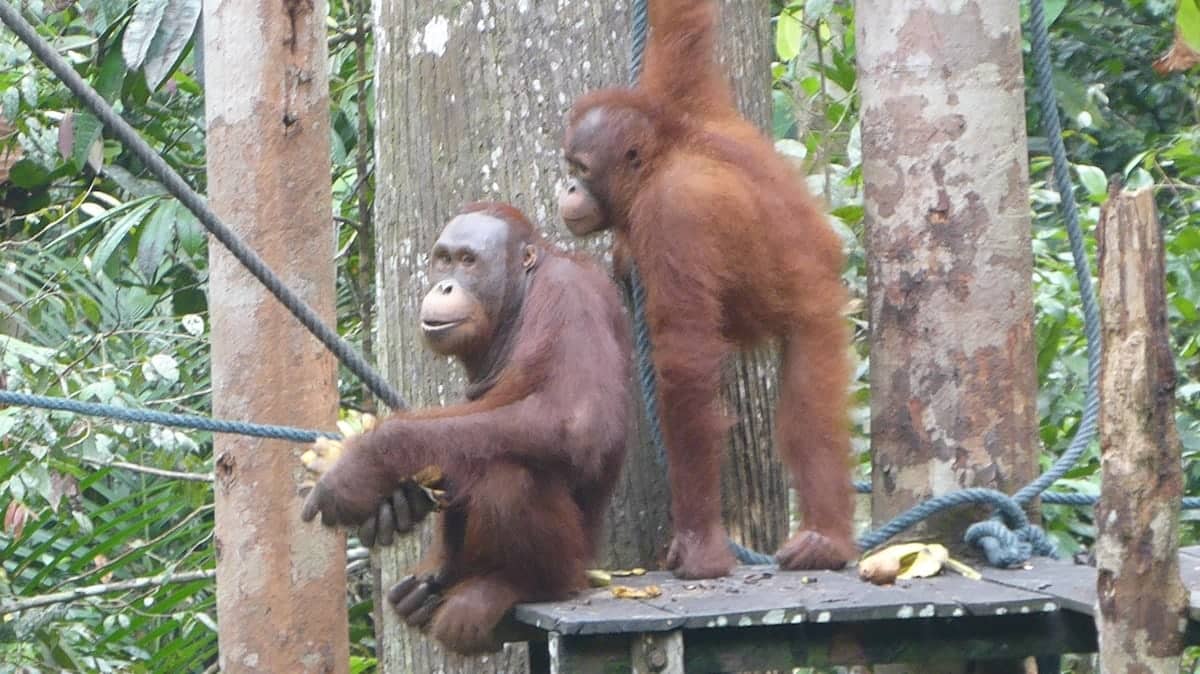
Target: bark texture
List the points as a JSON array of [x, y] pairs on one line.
[[754, 493], [1142, 602], [281, 597], [953, 379], [472, 98]]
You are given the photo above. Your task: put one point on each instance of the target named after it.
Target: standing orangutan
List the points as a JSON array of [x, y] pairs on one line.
[[529, 460], [732, 251]]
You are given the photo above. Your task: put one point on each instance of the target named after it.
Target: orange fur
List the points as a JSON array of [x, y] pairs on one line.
[[733, 251]]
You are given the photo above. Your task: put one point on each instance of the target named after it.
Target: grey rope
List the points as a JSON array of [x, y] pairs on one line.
[[178, 188], [144, 416], [1091, 313]]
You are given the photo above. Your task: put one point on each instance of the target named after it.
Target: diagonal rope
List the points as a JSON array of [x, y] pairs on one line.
[[179, 188]]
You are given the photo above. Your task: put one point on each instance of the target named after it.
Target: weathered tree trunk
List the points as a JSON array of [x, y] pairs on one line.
[[753, 490], [1142, 601], [281, 597], [471, 102], [953, 380]]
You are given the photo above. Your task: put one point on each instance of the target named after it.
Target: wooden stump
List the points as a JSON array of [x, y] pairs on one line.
[[1141, 600]]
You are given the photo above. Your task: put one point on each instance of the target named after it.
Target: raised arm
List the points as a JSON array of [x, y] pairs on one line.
[[680, 61]]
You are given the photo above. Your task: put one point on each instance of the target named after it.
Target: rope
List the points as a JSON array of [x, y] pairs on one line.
[[178, 188], [144, 416], [1054, 497]]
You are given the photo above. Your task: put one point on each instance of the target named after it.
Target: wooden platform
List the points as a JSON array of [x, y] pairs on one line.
[[761, 619]]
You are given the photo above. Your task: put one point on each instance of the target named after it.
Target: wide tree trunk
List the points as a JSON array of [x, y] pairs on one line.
[[281, 597], [1141, 600], [953, 379], [471, 102]]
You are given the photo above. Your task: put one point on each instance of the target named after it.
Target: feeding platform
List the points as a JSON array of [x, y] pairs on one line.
[[761, 618]]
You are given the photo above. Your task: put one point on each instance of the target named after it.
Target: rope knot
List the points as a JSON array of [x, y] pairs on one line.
[[1004, 547]]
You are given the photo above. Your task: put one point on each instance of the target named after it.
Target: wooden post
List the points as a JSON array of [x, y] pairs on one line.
[[1141, 600], [953, 375], [657, 653], [281, 584]]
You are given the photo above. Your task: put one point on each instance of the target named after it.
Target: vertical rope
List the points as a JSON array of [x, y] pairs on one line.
[[1051, 126]]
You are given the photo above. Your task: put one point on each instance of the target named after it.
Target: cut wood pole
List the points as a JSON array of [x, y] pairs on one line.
[[1141, 601], [949, 271], [281, 584]]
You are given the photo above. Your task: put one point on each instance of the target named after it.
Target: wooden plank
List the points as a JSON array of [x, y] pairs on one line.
[[927, 641], [757, 596], [1073, 585]]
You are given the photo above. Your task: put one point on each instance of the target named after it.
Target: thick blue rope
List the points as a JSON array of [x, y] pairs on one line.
[[144, 416], [179, 188]]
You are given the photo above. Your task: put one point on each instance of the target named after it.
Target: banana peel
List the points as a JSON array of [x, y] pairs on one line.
[[626, 592], [325, 452], [602, 578], [910, 560]]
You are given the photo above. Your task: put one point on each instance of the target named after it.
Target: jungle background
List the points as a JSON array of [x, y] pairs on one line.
[[103, 278]]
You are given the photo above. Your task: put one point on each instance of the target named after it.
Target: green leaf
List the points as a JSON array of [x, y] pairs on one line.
[[141, 30], [818, 9], [851, 214], [112, 75], [1053, 8], [84, 522], [8, 421], [789, 33], [86, 134], [15, 348], [187, 227], [116, 235], [103, 391], [28, 174], [171, 38], [155, 237], [1093, 179], [1187, 22]]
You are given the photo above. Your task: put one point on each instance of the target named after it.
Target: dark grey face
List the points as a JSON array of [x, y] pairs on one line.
[[600, 148], [477, 269]]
